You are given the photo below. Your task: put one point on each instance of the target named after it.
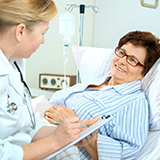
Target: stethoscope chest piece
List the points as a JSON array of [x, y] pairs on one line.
[[11, 107]]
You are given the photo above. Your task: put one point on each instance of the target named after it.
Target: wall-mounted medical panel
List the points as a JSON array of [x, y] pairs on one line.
[[54, 81]]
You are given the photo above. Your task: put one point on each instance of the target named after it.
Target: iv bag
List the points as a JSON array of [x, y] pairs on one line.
[[67, 26]]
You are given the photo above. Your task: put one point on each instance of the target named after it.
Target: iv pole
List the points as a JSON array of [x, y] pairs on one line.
[[69, 8]]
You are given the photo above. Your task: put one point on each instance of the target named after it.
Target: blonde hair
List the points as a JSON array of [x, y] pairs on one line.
[[28, 12]]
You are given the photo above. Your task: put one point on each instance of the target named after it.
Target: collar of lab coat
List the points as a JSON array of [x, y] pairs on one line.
[[8, 69]]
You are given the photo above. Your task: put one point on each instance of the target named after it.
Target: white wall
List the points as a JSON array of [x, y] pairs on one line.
[[118, 17], [49, 57]]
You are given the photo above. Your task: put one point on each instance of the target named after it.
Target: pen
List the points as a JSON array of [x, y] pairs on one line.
[[58, 122]]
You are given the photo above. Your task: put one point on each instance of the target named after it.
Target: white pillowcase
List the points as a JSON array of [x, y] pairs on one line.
[[151, 86], [94, 62]]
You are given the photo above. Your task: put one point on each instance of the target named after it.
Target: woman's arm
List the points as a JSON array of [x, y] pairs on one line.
[[65, 112], [50, 139]]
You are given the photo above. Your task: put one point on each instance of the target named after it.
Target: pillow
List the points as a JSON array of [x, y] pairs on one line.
[[94, 62], [151, 86]]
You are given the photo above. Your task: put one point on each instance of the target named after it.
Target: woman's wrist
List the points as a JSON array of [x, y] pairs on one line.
[[91, 148], [93, 143]]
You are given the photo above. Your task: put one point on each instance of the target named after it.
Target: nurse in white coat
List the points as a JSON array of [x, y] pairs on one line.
[[22, 28]]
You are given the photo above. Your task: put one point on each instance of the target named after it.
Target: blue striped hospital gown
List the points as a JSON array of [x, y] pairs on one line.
[[124, 136]]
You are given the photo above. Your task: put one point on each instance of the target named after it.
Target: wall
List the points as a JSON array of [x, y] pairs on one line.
[[118, 17], [49, 57]]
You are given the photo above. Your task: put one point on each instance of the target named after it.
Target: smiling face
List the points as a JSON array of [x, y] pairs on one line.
[[123, 72]]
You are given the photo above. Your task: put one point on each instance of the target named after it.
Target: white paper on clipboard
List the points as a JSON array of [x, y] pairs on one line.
[[84, 134]]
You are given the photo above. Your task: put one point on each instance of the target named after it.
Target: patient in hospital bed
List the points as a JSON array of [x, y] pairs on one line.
[[119, 93]]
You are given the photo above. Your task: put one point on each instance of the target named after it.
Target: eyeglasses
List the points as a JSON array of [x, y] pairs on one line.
[[130, 59]]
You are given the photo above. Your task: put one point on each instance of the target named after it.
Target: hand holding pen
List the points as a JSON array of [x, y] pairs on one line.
[[82, 121], [76, 129], [59, 122]]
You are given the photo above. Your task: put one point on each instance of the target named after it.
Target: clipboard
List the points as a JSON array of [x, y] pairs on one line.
[[103, 120]]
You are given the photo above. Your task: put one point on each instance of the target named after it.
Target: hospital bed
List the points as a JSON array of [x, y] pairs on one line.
[[94, 62]]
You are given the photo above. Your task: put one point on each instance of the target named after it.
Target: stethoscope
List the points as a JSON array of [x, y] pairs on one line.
[[12, 107]]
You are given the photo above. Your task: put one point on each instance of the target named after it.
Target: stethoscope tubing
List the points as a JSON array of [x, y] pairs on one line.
[[12, 107]]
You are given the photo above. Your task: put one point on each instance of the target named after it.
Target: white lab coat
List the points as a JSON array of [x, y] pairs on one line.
[[15, 130]]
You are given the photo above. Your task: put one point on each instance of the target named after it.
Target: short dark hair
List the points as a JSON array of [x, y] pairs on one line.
[[146, 40]]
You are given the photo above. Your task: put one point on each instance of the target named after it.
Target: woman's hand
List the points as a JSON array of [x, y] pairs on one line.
[[66, 132], [58, 113], [84, 142], [91, 147]]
